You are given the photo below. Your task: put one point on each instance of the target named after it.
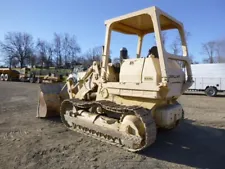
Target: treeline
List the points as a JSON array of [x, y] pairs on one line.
[[20, 49], [213, 51]]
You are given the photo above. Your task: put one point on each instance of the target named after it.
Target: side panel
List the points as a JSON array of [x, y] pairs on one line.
[[202, 83], [151, 71], [208, 70], [131, 70], [198, 84], [176, 78], [141, 90], [208, 75], [222, 84], [210, 82]]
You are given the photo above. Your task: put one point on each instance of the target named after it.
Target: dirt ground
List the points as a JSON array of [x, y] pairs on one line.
[[29, 142]]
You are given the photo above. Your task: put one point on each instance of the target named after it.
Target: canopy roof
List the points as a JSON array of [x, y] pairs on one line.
[[140, 22]]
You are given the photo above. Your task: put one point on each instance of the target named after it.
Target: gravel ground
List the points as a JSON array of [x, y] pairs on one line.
[[29, 142]]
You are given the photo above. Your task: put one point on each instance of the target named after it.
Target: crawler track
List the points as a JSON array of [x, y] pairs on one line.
[[127, 141]]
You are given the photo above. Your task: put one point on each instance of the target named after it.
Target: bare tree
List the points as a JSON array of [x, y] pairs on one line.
[[50, 56], [220, 51], [214, 50], [209, 49], [192, 59], [70, 48], [8, 60], [18, 45], [94, 54], [177, 43], [164, 38], [14, 62], [57, 48], [44, 52], [191, 56], [33, 60], [65, 49], [175, 46], [187, 35]]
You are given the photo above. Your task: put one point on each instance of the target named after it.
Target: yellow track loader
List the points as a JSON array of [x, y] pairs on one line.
[[125, 105]]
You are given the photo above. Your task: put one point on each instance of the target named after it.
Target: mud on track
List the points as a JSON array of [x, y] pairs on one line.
[[28, 142]]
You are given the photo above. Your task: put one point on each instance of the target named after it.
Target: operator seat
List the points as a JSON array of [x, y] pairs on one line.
[[153, 52], [123, 55]]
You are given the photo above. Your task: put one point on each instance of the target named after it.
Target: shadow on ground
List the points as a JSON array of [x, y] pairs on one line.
[[202, 94], [56, 119], [191, 145]]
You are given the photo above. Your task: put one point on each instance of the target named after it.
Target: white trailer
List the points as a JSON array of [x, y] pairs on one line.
[[209, 78]]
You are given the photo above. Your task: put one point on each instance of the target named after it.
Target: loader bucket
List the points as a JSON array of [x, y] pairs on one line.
[[50, 97]]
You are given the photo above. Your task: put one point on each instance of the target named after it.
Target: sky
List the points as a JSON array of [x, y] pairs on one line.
[[204, 19]]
